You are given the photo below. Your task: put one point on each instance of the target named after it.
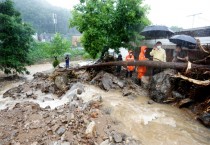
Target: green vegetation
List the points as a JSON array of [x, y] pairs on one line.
[[47, 51], [15, 39], [109, 24], [39, 13], [55, 62]]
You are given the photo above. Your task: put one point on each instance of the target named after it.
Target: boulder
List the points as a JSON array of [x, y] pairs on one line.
[[107, 82], [77, 86], [61, 81], [161, 86]]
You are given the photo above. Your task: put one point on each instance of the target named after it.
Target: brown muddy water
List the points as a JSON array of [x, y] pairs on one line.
[[155, 124]]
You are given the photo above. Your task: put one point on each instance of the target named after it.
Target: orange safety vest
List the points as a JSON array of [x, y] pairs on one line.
[[130, 58], [142, 69]]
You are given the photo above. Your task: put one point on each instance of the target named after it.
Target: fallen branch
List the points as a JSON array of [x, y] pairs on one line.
[[197, 82]]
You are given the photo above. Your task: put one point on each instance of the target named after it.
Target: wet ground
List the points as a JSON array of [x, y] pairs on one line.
[[149, 123]]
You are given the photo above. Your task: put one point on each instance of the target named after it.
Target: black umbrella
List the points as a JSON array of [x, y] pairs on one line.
[[157, 31], [183, 40]]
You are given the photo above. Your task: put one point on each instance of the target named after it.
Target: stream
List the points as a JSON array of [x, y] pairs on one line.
[[152, 124]]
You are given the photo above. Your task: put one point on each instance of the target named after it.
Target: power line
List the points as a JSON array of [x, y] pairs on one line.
[[194, 15]]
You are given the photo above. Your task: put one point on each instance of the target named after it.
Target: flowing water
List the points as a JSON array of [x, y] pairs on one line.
[[154, 124]]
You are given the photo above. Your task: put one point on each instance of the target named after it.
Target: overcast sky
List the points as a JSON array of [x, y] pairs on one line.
[[167, 12]]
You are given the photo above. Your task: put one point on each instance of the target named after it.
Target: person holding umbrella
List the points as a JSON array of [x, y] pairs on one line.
[[179, 54], [67, 61], [158, 54]]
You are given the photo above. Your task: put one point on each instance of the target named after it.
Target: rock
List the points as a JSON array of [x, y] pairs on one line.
[[107, 82], [205, 119], [97, 98], [106, 142], [185, 102], [120, 84], [91, 129], [117, 137], [161, 86], [29, 94], [61, 81], [177, 95], [61, 130], [150, 102], [126, 92], [77, 86], [79, 91]]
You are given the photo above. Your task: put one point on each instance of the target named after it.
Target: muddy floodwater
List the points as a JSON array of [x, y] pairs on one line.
[[152, 124]]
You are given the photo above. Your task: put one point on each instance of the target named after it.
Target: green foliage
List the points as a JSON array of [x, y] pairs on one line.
[[56, 62], [39, 14], [39, 51], [15, 39], [110, 24], [58, 46]]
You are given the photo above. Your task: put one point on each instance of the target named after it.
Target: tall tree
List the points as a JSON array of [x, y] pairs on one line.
[[109, 24], [58, 46], [15, 38]]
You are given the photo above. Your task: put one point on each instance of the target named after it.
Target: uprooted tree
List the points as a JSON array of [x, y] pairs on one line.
[[109, 24], [15, 38]]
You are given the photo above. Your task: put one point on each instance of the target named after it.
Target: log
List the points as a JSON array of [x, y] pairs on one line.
[[148, 63]]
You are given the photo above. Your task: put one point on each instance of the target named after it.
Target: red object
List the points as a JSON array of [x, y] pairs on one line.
[[142, 69], [130, 57]]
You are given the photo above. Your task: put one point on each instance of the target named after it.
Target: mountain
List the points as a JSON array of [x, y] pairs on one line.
[[39, 13]]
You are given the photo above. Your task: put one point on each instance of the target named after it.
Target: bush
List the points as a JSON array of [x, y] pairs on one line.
[[56, 62]]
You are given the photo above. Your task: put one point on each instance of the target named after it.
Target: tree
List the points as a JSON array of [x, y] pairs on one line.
[[109, 24], [58, 46], [15, 39], [176, 28]]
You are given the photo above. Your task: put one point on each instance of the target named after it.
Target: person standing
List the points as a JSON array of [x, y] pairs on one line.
[[67, 61], [119, 58], [179, 54], [130, 69], [142, 69], [158, 54]]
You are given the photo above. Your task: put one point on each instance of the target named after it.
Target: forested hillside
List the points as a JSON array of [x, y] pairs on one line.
[[39, 13]]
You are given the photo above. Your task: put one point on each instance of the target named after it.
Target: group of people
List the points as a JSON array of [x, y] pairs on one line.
[[158, 53]]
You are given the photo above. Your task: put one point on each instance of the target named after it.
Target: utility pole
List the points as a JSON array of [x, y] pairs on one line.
[[55, 21], [193, 15]]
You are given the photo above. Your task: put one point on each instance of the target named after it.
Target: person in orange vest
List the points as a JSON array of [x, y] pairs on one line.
[[130, 69], [142, 69]]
